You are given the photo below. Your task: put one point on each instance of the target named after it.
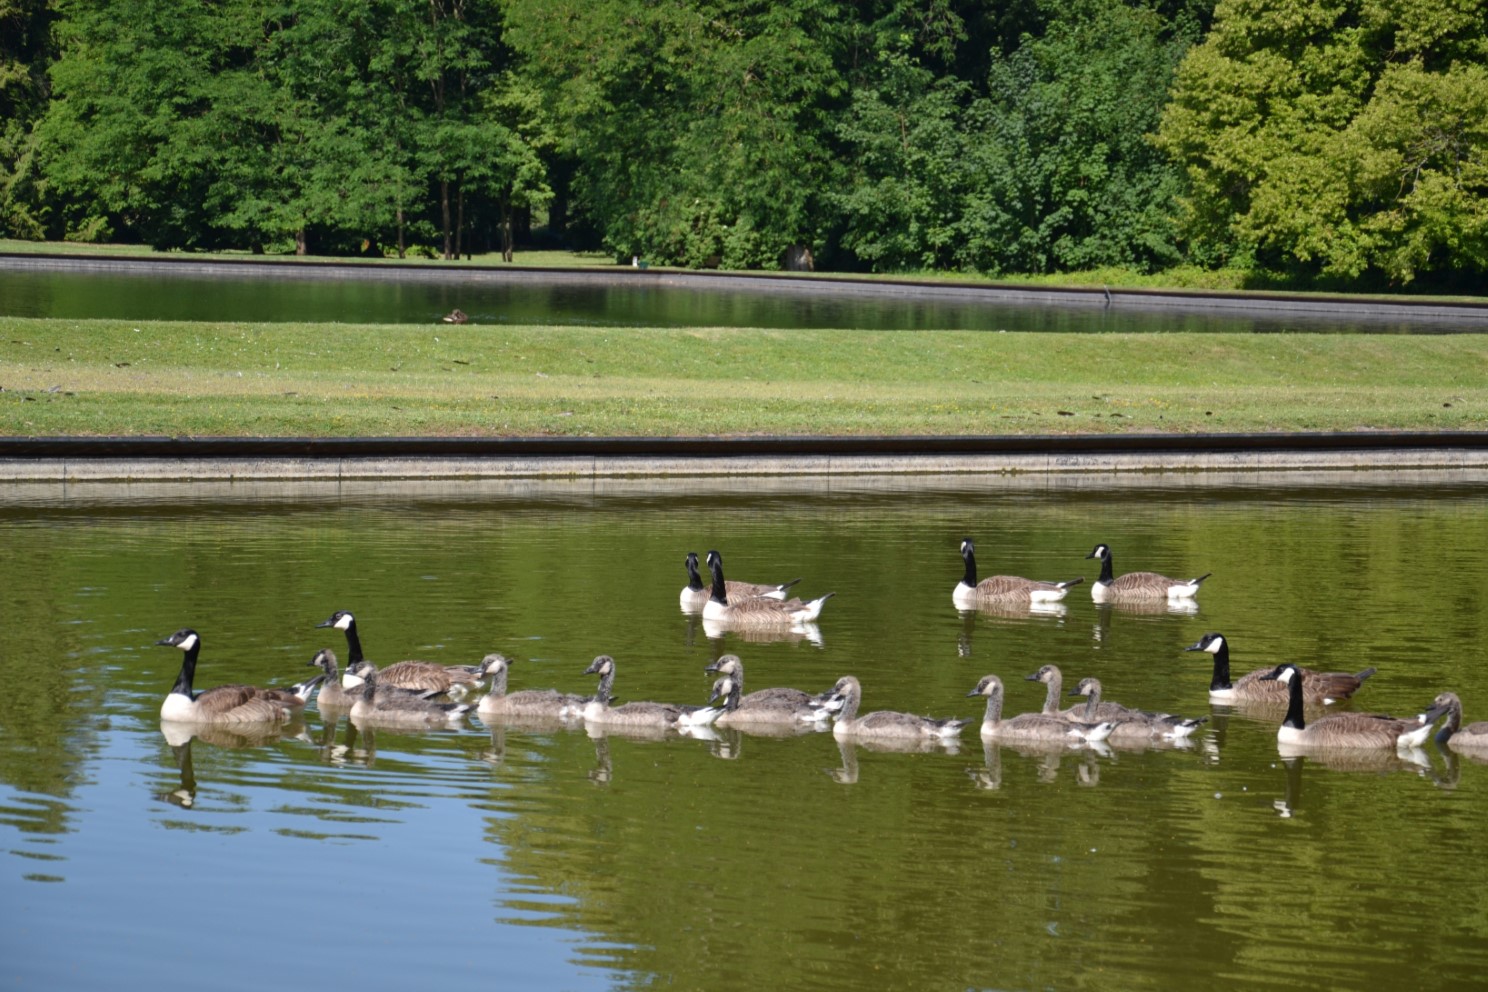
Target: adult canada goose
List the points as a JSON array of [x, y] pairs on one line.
[[528, 702], [388, 706], [1318, 688], [695, 595], [1360, 730], [1138, 586], [420, 676], [1471, 738], [225, 703], [755, 612], [1132, 724], [774, 707], [598, 710], [886, 724], [1003, 588], [1032, 726]]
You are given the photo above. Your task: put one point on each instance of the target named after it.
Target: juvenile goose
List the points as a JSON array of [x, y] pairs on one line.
[[755, 612], [598, 710], [773, 707], [1032, 726], [1138, 586], [528, 702], [1473, 737], [886, 724], [1131, 724], [332, 693], [1358, 730], [1003, 588], [1050, 676], [695, 595], [1318, 688], [420, 676], [389, 707], [225, 703]]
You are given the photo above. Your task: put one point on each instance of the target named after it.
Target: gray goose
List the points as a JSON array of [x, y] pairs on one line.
[[774, 707], [1472, 738], [1131, 724], [1032, 726], [886, 724], [526, 703]]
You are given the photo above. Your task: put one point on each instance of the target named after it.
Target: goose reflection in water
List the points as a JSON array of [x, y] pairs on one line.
[[1047, 756], [716, 630], [847, 749], [1414, 760], [1139, 611], [181, 736]]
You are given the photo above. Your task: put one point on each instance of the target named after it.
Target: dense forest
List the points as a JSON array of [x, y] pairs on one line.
[[1340, 142]]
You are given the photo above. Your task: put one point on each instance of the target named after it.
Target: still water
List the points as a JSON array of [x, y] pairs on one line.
[[489, 857], [422, 296]]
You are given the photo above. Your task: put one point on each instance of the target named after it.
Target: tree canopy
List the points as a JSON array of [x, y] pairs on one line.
[[1333, 139]]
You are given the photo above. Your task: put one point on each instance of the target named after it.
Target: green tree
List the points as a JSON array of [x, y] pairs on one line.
[[25, 53], [1338, 136], [698, 128]]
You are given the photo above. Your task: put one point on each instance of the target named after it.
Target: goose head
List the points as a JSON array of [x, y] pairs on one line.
[[492, 664], [1281, 673], [1211, 643], [1087, 687], [1101, 551], [325, 660], [1045, 674], [729, 664], [341, 620], [601, 666], [186, 639], [989, 686]]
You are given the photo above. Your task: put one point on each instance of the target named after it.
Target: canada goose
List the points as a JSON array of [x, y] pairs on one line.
[[695, 594], [1318, 688], [752, 612], [456, 316], [1031, 726], [225, 703], [766, 707], [332, 694], [420, 676], [1003, 588], [1473, 737], [1050, 676], [642, 714], [1132, 724], [1138, 585], [376, 704], [528, 702], [886, 723], [1361, 730]]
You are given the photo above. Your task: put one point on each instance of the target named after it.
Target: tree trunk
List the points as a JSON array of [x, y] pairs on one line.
[[506, 232], [402, 246], [459, 221], [444, 206], [302, 242]]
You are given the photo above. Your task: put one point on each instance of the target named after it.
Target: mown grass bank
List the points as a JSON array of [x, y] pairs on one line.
[[110, 377]]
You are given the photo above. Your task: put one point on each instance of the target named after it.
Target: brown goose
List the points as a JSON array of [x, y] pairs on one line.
[[598, 710], [418, 676], [1003, 588], [1318, 688], [1138, 586], [1471, 738], [1357, 730], [695, 595], [391, 707], [226, 703], [755, 612]]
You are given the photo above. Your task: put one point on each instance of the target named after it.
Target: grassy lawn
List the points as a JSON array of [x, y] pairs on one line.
[[110, 377]]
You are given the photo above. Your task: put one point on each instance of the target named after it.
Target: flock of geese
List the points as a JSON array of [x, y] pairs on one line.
[[417, 694]]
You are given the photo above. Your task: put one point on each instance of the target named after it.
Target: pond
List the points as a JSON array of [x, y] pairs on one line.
[[544, 857], [617, 298]]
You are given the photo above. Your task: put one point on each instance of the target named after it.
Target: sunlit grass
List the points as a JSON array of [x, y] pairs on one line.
[[107, 377]]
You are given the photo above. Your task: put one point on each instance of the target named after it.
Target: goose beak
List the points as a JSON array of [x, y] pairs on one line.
[[1074, 692], [1091, 555], [973, 693], [164, 642], [327, 623], [712, 668], [1431, 715], [1195, 647], [1031, 678]]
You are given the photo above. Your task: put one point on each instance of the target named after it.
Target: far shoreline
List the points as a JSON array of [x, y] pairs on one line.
[[1318, 305]]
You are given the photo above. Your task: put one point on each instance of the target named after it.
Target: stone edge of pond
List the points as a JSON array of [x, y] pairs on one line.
[[83, 459], [1319, 304]]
